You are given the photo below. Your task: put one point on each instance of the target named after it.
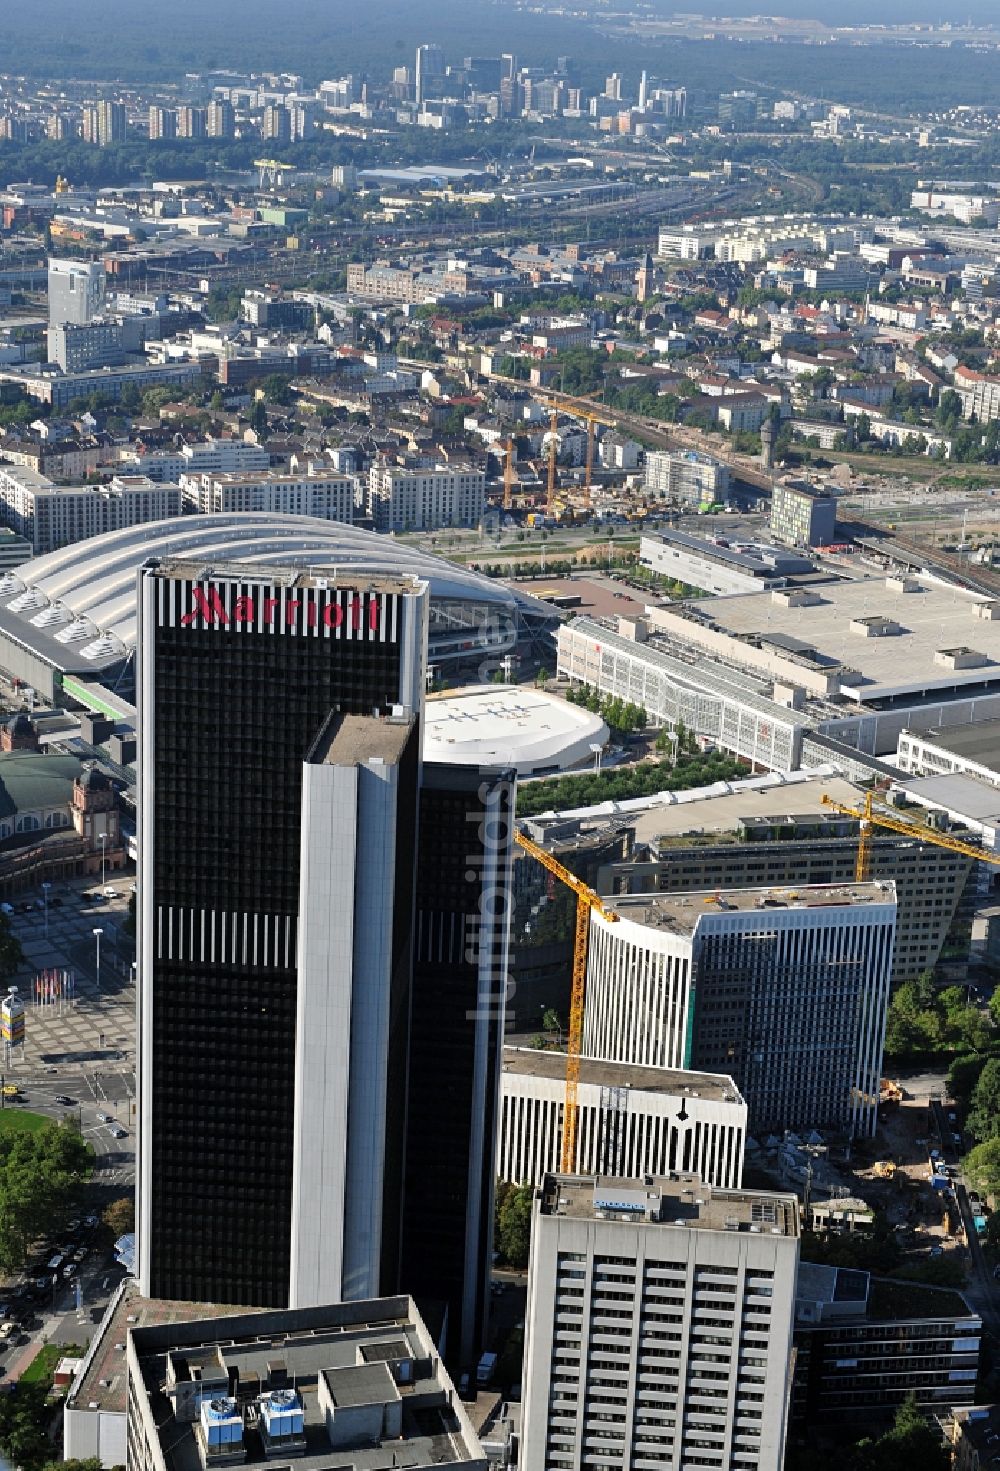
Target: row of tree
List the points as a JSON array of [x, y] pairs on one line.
[[621, 716], [623, 782]]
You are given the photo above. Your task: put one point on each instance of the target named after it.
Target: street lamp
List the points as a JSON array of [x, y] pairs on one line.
[[98, 932], [595, 750], [104, 854], [46, 886]]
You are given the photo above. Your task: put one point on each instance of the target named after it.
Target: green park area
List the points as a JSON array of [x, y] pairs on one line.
[[20, 1121]]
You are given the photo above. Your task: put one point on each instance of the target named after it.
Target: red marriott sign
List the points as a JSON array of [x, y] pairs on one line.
[[308, 612]]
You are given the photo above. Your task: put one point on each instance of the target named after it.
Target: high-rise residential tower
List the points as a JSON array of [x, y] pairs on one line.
[[267, 839]]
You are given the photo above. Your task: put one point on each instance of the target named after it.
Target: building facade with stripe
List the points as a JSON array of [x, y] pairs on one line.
[[241, 966], [785, 990], [631, 1121]]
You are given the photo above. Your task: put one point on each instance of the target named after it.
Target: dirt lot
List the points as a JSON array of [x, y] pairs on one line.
[[905, 1139]]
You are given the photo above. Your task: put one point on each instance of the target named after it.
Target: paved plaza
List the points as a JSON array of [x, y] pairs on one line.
[[89, 1036]]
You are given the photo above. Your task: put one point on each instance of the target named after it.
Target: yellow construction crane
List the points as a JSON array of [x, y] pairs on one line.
[[586, 900], [569, 406], [550, 494], [871, 816], [509, 475]]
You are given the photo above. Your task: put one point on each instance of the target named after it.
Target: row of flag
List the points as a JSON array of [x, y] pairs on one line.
[[54, 985]]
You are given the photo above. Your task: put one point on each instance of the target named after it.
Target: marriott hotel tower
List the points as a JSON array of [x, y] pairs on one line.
[[312, 951]]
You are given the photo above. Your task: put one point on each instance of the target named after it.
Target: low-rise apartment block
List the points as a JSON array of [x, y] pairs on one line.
[[979, 392], [49, 516], [60, 389], [424, 497], [206, 457], [686, 476], [329, 496]]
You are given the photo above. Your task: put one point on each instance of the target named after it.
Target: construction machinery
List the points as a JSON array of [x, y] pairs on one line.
[[272, 171], [870, 815], [586, 902], [569, 406]]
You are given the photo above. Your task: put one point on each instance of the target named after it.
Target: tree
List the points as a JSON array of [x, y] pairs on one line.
[[92, 1463], [119, 1217], [912, 1442], [41, 1175], [984, 1115], [552, 1021], [982, 1166], [974, 1030], [963, 1075], [513, 1222], [994, 1007]]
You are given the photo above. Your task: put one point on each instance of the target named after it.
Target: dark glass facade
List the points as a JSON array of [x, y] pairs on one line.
[[460, 925], [235, 712]]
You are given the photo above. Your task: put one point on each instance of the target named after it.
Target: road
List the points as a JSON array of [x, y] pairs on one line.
[[57, 1319], [980, 1288]]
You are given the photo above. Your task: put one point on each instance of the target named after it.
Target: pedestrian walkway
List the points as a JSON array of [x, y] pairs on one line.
[[29, 1353]]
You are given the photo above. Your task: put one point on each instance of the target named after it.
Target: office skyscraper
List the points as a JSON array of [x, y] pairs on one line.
[[242, 781], [784, 990], [429, 70], [77, 291], [456, 1032], [659, 1325], [323, 950], [359, 801]]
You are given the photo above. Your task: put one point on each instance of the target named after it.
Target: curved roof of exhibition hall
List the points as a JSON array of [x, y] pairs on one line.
[[83, 596]]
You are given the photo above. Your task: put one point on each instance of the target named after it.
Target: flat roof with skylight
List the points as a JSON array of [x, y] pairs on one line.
[[880, 637]]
